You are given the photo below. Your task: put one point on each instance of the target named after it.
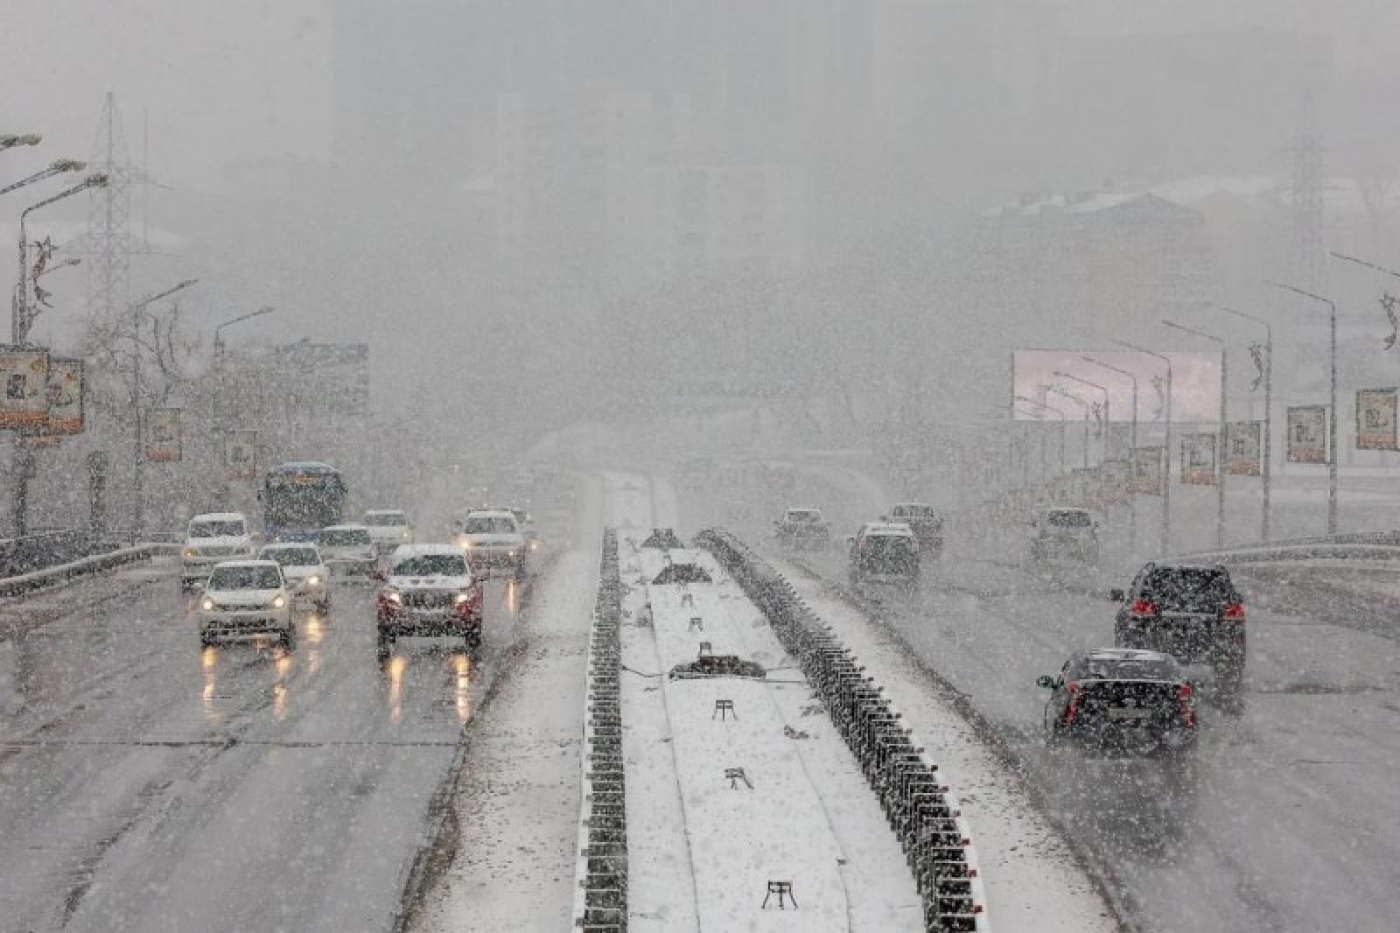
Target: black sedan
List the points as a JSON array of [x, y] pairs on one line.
[[1120, 702]]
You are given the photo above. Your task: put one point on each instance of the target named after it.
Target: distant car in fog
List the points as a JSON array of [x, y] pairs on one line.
[[210, 539], [492, 541], [802, 528], [1119, 702], [1190, 611], [926, 523], [429, 590], [1064, 533], [246, 597], [307, 575], [388, 529], [885, 553], [347, 549]]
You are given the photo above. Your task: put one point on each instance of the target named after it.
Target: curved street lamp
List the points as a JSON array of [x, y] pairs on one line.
[[1332, 415], [1167, 470], [1222, 439], [11, 140], [57, 167], [22, 317]]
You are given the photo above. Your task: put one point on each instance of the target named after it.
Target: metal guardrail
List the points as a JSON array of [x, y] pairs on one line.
[[44, 549], [23, 584], [936, 840], [600, 900]]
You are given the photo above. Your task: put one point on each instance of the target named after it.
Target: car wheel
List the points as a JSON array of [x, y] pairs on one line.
[[323, 606], [287, 638], [383, 645], [1229, 689], [206, 640]]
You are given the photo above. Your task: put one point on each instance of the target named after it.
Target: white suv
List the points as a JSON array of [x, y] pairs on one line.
[[211, 539], [307, 575], [347, 549], [246, 597], [492, 541], [388, 529]]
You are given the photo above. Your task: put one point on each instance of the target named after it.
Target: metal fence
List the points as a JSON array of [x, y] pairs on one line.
[[600, 903], [936, 840], [45, 549]]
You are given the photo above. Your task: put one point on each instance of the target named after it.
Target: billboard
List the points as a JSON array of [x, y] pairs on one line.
[[1242, 447], [1307, 434], [24, 379], [1146, 471], [65, 396], [1198, 460], [1375, 419], [240, 455], [1109, 375], [163, 435]]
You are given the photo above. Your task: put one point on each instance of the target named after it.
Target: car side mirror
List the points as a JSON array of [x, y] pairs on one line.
[[1045, 681], [1116, 596], [851, 539], [381, 576]]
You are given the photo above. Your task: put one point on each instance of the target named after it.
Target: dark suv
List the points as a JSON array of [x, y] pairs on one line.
[[1190, 611], [885, 552]]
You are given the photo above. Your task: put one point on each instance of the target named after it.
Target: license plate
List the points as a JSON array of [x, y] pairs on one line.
[[1129, 713]]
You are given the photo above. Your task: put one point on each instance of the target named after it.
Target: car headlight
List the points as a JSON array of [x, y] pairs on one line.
[[393, 597], [534, 545], [189, 553], [279, 601], [460, 598], [313, 580], [405, 536], [207, 605]]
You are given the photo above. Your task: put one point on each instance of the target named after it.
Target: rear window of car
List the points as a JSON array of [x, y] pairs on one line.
[[431, 565], [292, 556], [1069, 519], [385, 519], [230, 529], [913, 511], [245, 578], [346, 538], [1129, 669], [489, 525], [1188, 583], [804, 516]]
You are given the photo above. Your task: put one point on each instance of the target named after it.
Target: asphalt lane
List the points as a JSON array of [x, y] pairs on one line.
[[1282, 820], [147, 784]]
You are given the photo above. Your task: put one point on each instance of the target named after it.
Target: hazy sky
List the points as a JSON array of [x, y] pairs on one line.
[[220, 79]]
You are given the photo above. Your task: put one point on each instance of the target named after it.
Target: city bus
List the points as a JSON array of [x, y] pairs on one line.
[[299, 499]]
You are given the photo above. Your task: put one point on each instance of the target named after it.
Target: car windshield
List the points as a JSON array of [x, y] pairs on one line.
[[385, 519], [217, 529], [292, 556], [343, 537], [431, 565], [245, 578], [489, 524], [1069, 518]]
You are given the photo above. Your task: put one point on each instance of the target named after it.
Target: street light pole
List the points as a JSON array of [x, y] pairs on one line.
[[1132, 444], [1085, 406], [21, 318], [1107, 419], [1363, 262], [1050, 408], [56, 167], [219, 374], [1222, 439], [1332, 418], [138, 455], [1167, 473], [1268, 406], [10, 140]]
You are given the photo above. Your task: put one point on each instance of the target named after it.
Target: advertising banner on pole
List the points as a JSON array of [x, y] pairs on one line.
[[1198, 460], [240, 455], [1242, 446], [1307, 434], [24, 378], [163, 435], [1375, 419], [1145, 471], [65, 395]]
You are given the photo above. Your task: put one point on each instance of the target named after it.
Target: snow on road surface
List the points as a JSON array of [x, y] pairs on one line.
[[1030, 876], [801, 813]]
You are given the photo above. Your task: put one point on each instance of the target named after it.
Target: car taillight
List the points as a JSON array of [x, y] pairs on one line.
[[1188, 712], [1144, 608], [1235, 612], [1076, 696]]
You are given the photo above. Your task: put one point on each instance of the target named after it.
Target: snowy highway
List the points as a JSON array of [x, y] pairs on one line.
[[1284, 821], [154, 786]]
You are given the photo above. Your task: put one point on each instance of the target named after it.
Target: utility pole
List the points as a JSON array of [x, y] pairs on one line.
[[1268, 374]]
